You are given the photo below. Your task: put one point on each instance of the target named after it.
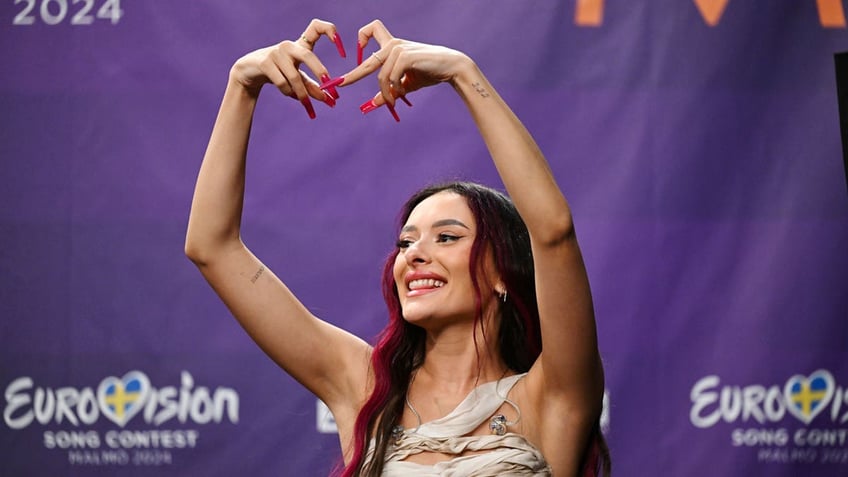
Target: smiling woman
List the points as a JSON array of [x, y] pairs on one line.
[[431, 269], [489, 362]]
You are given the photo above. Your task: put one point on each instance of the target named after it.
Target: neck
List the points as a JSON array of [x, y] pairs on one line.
[[455, 363], [456, 360]]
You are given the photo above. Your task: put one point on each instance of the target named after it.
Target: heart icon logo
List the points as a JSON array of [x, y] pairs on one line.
[[806, 397], [121, 399]]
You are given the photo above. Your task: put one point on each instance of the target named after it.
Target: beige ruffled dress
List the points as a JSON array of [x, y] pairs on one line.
[[507, 455]]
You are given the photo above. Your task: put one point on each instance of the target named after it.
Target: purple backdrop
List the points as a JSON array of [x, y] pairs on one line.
[[697, 141]]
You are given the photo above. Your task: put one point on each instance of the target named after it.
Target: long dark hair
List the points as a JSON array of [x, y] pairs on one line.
[[400, 345]]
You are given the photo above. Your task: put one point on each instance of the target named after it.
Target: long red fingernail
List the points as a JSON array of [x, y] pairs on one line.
[[403, 98], [369, 106], [358, 53], [392, 110], [330, 86], [308, 105], [330, 83], [338, 41], [328, 98]]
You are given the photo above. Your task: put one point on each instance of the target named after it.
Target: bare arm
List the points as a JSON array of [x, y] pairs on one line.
[[570, 361], [567, 379], [328, 361]]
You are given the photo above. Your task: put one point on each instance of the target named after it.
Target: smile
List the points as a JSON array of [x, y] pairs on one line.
[[425, 283]]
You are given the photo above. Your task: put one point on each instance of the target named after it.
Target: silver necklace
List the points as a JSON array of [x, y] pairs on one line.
[[397, 431], [498, 424]]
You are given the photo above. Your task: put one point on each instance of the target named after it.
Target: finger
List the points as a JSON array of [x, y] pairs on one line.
[[375, 103], [372, 63], [316, 92], [395, 77], [316, 29], [367, 67], [271, 70], [306, 57], [329, 100], [396, 88], [329, 85], [295, 79], [405, 81], [372, 103], [392, 68], [375, 30], [311, 61]]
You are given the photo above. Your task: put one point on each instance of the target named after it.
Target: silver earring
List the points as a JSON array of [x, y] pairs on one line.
[[503, 297]]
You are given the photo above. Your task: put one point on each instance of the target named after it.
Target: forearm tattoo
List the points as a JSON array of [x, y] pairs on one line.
[[480, 89], [256, 275]]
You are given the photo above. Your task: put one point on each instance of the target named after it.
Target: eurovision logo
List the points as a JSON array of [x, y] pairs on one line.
[[764, 415], [119, 400], [803, 397]]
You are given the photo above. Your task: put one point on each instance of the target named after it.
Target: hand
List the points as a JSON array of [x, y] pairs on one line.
[[279, 64], [404, 66]]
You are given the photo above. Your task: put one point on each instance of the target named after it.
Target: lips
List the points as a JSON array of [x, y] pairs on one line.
[[418, 283]]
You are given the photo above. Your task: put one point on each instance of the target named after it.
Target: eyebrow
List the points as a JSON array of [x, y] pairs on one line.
[[438, 223]]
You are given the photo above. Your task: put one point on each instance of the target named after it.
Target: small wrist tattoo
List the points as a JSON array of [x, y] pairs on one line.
[[480, 89], [256, 275]]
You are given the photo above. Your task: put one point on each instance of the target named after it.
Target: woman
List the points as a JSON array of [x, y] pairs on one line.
[[489, 364]]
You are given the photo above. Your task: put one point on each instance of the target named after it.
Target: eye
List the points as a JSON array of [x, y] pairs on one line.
[[403, 243], [445, 237]]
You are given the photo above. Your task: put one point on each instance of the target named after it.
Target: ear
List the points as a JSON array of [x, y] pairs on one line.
[[500, 288]]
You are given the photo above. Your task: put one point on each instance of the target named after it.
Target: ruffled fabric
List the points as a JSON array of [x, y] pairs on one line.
[[507, 455]]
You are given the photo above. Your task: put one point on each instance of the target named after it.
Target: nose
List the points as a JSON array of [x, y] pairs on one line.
[[417, 253]]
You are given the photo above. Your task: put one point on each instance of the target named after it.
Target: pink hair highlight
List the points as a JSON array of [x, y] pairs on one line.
[[388, 343]]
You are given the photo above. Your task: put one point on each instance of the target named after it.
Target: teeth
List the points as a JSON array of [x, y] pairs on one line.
[[425, 283]]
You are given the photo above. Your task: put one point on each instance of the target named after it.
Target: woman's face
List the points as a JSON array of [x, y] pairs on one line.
[[431, 269]]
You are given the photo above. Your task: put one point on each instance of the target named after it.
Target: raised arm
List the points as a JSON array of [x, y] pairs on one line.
[[328, 361], [570, 363], [567, 380]]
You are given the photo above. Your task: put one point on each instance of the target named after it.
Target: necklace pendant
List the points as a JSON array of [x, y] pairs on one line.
[[498, 425], [397, 434]]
